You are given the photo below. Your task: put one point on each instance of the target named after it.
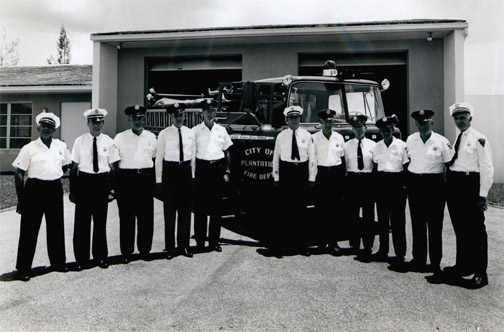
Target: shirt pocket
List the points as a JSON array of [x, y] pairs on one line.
[[434, 153], [149, 151]]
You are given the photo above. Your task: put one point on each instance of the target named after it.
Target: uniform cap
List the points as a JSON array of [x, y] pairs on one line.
[[135, 110], [461, 107], [387, 121], [422, 115], [95, 113], [49, 118], [176, 109], [357, 119], [293, 111], [326, 114]]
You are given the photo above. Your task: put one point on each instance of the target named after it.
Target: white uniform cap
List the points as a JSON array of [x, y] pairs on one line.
[[461, 107], [293, 110], [48, 117], [95, 113]]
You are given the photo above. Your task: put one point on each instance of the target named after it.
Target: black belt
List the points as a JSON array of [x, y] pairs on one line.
[[177, 163], [359, 173], [211, 162], [294, 163], [459, 173], [136, 170], [432, 175]]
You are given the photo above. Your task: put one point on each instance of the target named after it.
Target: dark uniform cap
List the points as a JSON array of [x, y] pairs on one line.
[[357, 119], [422, 115], [387, 121], [176, 109], [135, 110], [327, 113]]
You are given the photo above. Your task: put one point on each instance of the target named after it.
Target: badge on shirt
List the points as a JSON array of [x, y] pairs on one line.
[[434, 148], [105, 149]]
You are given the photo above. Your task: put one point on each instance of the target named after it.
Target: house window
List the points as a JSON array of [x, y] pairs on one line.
[[15, 125]]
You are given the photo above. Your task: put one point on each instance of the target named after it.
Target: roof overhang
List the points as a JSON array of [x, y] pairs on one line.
[[394, 30], [45, 89]]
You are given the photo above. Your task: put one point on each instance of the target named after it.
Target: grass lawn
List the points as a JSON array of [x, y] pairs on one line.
[[8, 196]]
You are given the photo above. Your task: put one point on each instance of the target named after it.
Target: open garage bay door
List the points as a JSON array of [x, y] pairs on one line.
[[374, 67], [192, 75]]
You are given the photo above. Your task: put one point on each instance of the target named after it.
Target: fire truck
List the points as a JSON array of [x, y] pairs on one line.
[[252, 113]]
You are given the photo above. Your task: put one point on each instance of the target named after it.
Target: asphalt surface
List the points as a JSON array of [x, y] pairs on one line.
[[241, 289]]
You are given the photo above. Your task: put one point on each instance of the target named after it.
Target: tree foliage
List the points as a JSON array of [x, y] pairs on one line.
[[63, 47], [9, 53]]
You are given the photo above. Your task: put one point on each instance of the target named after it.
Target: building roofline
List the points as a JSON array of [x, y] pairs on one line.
[[275, 30], [46, 89]]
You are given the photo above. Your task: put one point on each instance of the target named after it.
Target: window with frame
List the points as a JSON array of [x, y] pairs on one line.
[[15, 125]]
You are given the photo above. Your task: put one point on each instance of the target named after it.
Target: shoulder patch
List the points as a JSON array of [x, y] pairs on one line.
[[482, 141]]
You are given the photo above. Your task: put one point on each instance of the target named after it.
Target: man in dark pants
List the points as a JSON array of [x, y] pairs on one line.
[[44, 161], [359, 166], [94, 157], [469, 178], [175, 157], [212, 173], [390, 156], [294, 168], [428, 153], [330, 156], [135, 184]]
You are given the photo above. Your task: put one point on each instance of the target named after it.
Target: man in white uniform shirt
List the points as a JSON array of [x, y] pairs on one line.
[[212, 172], [329, 183], [390, 157], [175, 161], [43, 161], [359, 166], [428, 153], [94, 157], [294, 166], [469, 178], [135, 184]]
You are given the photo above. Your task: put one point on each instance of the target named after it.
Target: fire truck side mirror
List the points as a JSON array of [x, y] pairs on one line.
[[249, 96]]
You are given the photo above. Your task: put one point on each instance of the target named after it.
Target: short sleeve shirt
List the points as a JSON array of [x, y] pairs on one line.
[[367, 155], [329, 151], [136, 151], [211, 144], [390, 158], [82, 153], [428, 157], [41, 162]]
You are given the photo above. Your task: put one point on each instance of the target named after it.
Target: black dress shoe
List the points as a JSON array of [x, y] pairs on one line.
[[457, 271], [23, 276], [186, 253], [335, 251], [437, 278], [379, 257], [78, 267], [125, 259], [478, 281], [217, 248], [102, 264], [415, 266], [169, 254], [62, 269]]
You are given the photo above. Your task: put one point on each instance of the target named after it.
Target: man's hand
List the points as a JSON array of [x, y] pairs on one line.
[[19, 207], [226, 177], [72, 197], [158, 191], [111, 196], [482, 204]]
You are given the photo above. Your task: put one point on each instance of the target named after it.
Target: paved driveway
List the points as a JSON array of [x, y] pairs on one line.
[[242, 290]]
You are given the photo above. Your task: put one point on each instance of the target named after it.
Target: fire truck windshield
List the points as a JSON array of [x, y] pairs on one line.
[[344, 98]]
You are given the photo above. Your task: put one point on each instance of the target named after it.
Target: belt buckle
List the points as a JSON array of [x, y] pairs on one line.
[[138, 171], [180, 162]]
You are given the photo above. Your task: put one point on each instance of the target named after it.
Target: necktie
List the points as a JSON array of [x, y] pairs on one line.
[[95, 156], [181, 148], [295, 149], [457, 144], [360, 159]]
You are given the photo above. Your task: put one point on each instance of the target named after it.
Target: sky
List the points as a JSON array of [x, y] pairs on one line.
[[37, 23]]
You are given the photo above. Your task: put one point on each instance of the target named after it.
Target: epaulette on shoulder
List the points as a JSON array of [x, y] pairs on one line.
[[482, 141]]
